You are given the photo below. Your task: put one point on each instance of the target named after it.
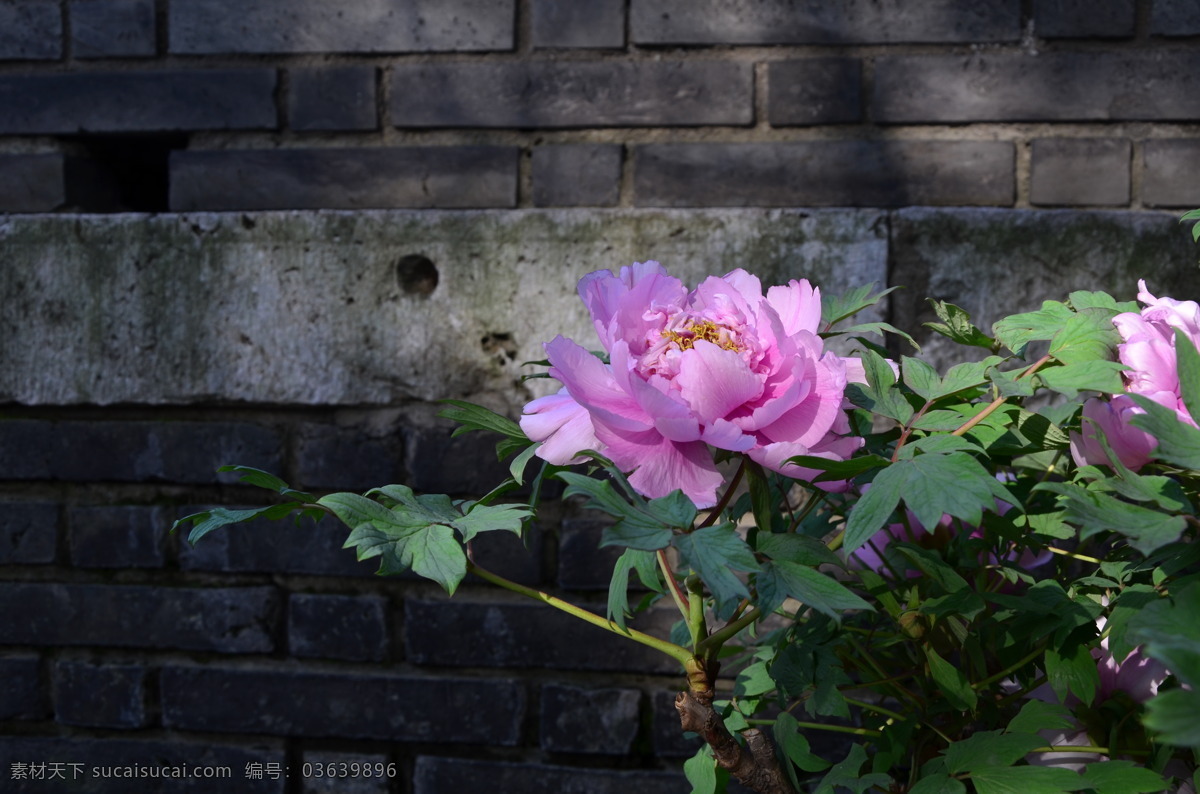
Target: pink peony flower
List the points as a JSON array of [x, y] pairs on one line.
[[1148, 348], [722, 365], [1109, 419]]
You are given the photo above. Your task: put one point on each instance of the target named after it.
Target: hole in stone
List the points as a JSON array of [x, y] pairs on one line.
[[500, 346], [120, 173], [417, 274]]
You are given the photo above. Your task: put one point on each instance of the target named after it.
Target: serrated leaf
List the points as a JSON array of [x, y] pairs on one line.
[[436, 554], [798, 549], [951, 681], [262, 479], [839, 469], [811, 587], [1173, 715], [636, 527], [1087, 335], [355, 510], [701, 771], [1025, 780], [789, 738], [920, 377], [206, 521], [954, 484], [1037, 715], [1178, 442], [989, 749], [618, 587], [1092, 511], [875, 328], [938, 784], [714, 553], [1018, 330], [846, 775], [1187, 361], [1072, 669], [835, 308], [476, 417], [1070, 379], [956, 325], [1171, 633], [1122, 777], [874, 508]]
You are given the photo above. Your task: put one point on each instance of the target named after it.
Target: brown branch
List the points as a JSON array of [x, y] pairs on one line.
[[758, 769]]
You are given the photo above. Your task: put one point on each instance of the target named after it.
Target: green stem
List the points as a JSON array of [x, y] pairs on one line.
[[711, 644], [679, 654], [986, 412], [672, 585], [695, 617], [1073, 555], [1012, 668], [822, 727], [877, 709], [875, 668], [1087, 748]]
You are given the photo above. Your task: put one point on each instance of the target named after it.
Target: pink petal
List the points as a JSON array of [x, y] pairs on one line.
[[798, 305], [714, 381], [562, 425]]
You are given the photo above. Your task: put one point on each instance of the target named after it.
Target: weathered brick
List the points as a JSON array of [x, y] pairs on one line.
[[666, 736], [332, 98], [28, 533], [847, 22], [112, 28], [31, 182], [582, 563], [598, 721], [114, 766], [1080, 172], [338, 627], [419, 176], [204, 99], [282, 546], [285, 702], [348, 773], [1151, 85], [576, 175], [30, 30], [22, 696], [435, 775], [226, 620], [1073, 19], [1169, 169], [349, 457], [1174, 18], [283, 26], [513, 557], [137, 451], [525, 636], [117, 536], [100, 696], [817, 173], [571, 94], [993, 263], [568, 23], [435, 461], [814, 91]]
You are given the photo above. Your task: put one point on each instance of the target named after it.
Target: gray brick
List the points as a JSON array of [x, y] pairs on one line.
[[276, 547], [1174, 18], [1080, 172], [582, 563], [1073, 19], [435, 461], [117, 536], [317, 26], [525, 636], [285, 702], [338, 627], [821, 173], [79, 757], [846, 22], [100, 696], [112, 28], [226, 620], [576, 175], [349, 457], [332, 98], [183, 452], [814, 91], [1148, 85], [22, 696], [666, 736], [995, 262], [207, 99], [30, 30], [1168, 178], [510, 556], [31, 182], [571, 94], [339, 775], [28, 533], [569, 23], [436, 176], [435, 775], [594, 721]]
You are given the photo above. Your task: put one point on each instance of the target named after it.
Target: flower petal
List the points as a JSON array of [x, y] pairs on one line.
[[714, 381]]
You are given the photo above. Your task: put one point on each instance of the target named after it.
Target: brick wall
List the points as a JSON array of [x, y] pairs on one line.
[[1018, 127]]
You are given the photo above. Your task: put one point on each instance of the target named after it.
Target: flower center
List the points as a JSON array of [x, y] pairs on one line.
[[686, 337]]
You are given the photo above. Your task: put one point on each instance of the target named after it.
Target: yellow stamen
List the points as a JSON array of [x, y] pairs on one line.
[[709, 331]]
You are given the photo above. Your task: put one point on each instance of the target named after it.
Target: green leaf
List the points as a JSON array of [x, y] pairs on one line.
[[714, 553], [951, 681], [920, 377], [355, 510], [876, 506], [937, 484], [1171, 633], [1037, 715], [938, 784], [1088, 335], [618, 586], [1018, 330], [840, 469], [1187, 361], [1070, 379], [637, 527], [956, 325], [880, 394], [215, 518], [797, 549], [1072, 669], [753, 680], [990, 749], [1092, 511], [517, 467], [810, 587], [835, 308], [789, 738], [476, 417], [874, 328], [1173, 715], [846, 774], [1122, 777], [1025, 780], [1178, 442], [269, 481], [436, 554], [701, 771]]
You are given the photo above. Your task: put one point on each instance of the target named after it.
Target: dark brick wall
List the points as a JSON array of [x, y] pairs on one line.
[[290, 104]]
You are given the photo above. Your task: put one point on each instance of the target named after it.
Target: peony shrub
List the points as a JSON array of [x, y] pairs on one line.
[[976, 590]]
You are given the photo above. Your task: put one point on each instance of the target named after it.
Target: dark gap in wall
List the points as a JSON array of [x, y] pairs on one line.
[[120, 173]]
